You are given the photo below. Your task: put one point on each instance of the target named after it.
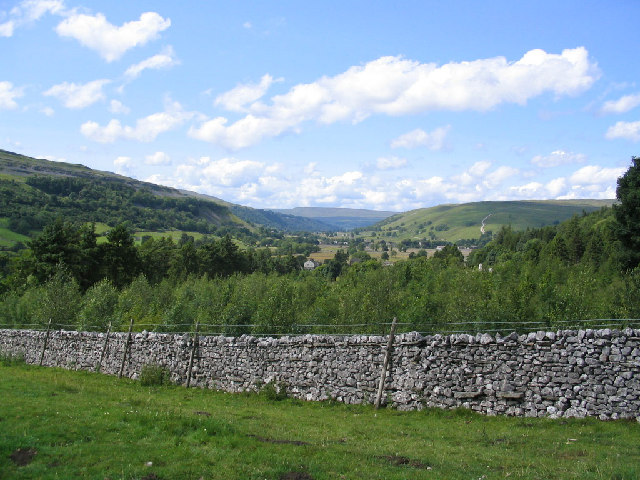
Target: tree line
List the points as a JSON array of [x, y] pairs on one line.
[[579, 271]]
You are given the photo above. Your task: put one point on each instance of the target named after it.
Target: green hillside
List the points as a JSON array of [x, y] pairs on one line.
[[451, 223], [33, 192]]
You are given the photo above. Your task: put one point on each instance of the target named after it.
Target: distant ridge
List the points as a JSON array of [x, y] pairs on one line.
[[340, 218]]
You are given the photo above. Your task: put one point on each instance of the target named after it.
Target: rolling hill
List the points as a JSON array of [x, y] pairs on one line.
[[33, 192], [452, 223]]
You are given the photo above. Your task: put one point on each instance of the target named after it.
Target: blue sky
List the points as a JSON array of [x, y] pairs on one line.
[[368, 104]]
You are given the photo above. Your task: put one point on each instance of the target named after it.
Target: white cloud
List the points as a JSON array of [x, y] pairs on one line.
[[52, 158], [124, 165], [29, 11], [166, 59], [529, 190], [74, 95], [247, 25], [479, 168], [146, 129], [32, 10], [265, 185], [48, 111], [622, 105], [230, 172], [389, 163], [557, 158], [591, 181], [237, 98], [473, 174], [243, 133], [397, 86], [625, 130], [596, 175], [310, 168], [498, 176], [116, 106], [214, 176], [158, 158], [8, 94], [419, 138], [556, 186], [6, 28], [111, 42]]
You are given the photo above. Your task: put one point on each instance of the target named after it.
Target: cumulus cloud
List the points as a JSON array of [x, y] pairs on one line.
[[6, 29], [556, 186], [261, 185], [237, 98], [625, 130], [398, 86], [145, 130], [473, 174], [76, 96], [163, 60], [110, 41], [218, 177], [557, 158], [116, 106], [8, 95], [389, 163], [596, 175], [29, 11], [499, 175], [124, 165], [591, 181], [158, 158], [622, 105], [419, 138], [265, 185]]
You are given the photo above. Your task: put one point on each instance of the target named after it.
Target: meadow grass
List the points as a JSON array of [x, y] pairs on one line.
[[66, 424], [9, 238]]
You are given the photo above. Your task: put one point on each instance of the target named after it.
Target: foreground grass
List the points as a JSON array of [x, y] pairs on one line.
[[85, 425]]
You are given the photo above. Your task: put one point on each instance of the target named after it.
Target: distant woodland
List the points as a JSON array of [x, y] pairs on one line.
[[582, 270]]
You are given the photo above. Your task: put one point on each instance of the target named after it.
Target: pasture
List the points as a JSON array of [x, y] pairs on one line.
[[56, 423]]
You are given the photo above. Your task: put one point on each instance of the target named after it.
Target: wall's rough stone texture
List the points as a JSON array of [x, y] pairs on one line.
[[565, 373]]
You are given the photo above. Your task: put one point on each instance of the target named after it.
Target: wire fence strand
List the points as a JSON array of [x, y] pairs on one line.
[[347, 329]]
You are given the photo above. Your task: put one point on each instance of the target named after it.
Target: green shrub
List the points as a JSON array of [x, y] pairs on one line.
[[274, 391], [153, 375], [98, 307]]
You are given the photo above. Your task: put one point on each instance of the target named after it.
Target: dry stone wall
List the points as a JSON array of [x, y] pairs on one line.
[[566, 373]]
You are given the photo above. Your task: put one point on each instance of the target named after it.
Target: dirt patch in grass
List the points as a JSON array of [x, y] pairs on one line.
[[277, 441], [398, 461], [23, 456], [151, 476], [204, 414], [295, 476]]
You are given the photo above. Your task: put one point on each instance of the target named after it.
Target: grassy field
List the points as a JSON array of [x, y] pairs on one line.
[[9, 238], [62, 424]]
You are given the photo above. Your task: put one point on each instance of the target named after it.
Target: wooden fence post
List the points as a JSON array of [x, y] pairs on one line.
[[194, 346], [385, 364], [104, 348], [44, 345], [126, 347]]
